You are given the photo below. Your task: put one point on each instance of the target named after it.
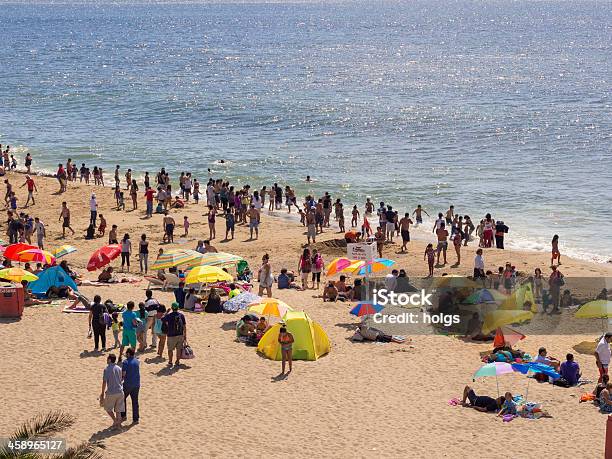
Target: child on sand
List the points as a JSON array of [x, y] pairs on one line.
[[186, 226], [102, 227], [430, 254], [116, 327]]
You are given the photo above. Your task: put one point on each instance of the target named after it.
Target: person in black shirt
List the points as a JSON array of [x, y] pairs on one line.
[[97, 323], [500, 230], [481, 403]]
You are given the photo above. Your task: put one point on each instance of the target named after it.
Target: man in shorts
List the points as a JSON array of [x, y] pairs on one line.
[[130, 323], [65, 216], [311, 225], [405, 230], [177, 333], [390, 218], [31, 189], [442, 235], [111, 397], [418, 213], [253, 214]]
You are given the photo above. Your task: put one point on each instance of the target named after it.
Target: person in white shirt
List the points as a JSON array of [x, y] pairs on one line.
[[93, 207], [479, 265], [41, 233], [602, 354], [391, 280], [439, 221]]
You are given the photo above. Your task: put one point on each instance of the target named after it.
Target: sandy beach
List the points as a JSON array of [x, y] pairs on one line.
[[361, 400]]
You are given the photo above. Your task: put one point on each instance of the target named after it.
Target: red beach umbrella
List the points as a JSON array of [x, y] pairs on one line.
[[12, 251], [103, 256]]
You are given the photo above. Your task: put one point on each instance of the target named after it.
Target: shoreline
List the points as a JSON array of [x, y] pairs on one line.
[[418, 232]]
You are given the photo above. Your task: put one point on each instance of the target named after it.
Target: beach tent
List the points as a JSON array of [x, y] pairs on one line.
[[311, 342], [521, 295], [54, 276]]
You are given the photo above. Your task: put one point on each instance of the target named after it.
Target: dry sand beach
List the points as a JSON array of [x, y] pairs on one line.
[[361, 400]]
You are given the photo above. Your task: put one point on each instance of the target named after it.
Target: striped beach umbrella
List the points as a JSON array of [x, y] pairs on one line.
[[366, 309], [63, 250], [176, 257], [214, 259], [337, 265], [37, 256], [375, 266]]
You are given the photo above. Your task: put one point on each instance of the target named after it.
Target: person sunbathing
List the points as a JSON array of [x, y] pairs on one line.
[[28, 298], [482, 403], [373, 334]]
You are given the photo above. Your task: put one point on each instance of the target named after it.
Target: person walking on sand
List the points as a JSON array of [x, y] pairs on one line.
[[134, 194], [457, 239], [265, 276], [602, 355], [168, 223], [31, 189], [285, 339], [126, 251], [430, 254], [128, 337], [304, 267], [176, 327], [555, 282], [93, 208], [131, 385], [253, 215], [111, 396], [555, 251], [65, 215], [97, 323]]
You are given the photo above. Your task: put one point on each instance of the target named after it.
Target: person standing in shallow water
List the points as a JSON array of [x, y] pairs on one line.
[[555, 251]]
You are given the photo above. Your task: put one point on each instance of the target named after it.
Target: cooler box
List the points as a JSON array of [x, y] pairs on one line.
[[11, 300]]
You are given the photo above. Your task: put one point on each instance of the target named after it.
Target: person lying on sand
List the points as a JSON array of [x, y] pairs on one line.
[[372, 334], [482, 403], [28, 299]]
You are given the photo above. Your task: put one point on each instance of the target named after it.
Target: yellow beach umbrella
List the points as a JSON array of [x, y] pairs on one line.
[[270, 307], [598, 309], [207, 275], [454, 281], [501, 317], [17, 275]]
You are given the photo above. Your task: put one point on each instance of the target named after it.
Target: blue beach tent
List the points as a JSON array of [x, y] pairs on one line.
[[54, 276]]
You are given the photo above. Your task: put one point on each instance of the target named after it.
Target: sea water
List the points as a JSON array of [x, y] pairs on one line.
[[492, 106]]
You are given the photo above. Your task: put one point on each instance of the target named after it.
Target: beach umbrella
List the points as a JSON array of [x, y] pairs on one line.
[[12, 251], [240, 301], [369, 267], [63, 250], [270, 307], [535, 367], [454, 281], [103, 256], [17, 275], [365, 309], [598, 309], [176, 257], [484, 295], [493, 369], [337, 265], [207, 275], [37, 256], [213, 259], [495, 319], [507, 336]]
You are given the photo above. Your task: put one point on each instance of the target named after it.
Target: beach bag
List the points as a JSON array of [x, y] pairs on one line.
[[187, 352]]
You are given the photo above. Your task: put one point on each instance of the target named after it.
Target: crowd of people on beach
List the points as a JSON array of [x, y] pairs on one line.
[[243, 205]]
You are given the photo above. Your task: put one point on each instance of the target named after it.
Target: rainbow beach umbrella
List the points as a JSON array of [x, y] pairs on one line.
[[369, 267], [337, 265], [36, 256], [63, 250]]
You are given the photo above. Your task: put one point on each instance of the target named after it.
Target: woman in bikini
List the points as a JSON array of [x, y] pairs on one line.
[[285, 340]]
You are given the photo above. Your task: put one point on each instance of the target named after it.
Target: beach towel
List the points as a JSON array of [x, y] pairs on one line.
[[78, 309], [454, 402]]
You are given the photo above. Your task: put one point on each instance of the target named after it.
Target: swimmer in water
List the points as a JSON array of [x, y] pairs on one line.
[[308, 179]]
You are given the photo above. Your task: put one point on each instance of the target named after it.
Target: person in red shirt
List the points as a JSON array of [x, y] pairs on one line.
[[31, 189], [61, 177], [149, 194]]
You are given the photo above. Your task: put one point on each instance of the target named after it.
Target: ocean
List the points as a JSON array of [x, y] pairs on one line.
[[492, 106]]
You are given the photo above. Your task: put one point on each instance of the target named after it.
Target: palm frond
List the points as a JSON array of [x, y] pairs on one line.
[[86, 450], [44, 425]]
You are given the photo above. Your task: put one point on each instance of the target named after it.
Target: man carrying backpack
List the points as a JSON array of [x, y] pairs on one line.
[[175, 327]]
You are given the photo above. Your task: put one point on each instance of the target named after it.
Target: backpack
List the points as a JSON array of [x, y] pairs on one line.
[[179, 329]]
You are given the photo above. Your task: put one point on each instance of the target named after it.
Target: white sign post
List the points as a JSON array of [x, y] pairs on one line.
[[362, 251]]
